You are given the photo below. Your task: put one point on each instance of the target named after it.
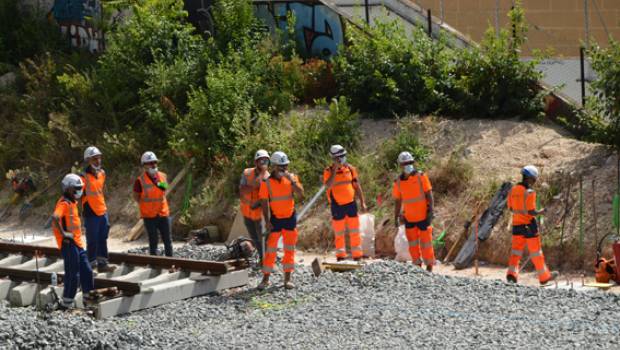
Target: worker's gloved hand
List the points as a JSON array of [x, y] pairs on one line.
[[163, 185], [430, 216], [67, 238]]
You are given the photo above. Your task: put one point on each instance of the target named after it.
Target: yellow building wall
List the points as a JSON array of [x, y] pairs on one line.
[[556, 24]]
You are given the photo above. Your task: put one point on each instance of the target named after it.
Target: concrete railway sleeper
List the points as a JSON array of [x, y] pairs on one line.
[[139, 282]]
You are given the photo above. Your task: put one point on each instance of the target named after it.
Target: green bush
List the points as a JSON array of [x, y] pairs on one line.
[[492, 79], [387, 72], [406, 139], [604, 104]]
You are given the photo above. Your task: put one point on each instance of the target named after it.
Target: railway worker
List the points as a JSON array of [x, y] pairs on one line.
[[248, 193], [278, 203], [522, 202], [413, 197], [343, 188], [94, 211], [66, 226], [150, 192]]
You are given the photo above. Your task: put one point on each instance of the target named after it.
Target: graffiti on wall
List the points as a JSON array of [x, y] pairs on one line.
[[318, 29], [75, 18]]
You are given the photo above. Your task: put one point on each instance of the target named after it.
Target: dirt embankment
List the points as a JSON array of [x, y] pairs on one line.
[[497, 149]]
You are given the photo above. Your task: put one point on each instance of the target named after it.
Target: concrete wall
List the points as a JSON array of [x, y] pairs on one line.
[[559, 24]]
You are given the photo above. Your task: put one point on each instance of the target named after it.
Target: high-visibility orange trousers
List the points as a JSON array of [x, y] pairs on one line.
[[536, 254], [421, 245], [271, 251], [350, 226]]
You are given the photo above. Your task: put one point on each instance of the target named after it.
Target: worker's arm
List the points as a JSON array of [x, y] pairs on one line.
[[297, 187], [265, 205], [397, 215], [332, 175], [430, 209], [136, 197], [359, 193], [56, 223]]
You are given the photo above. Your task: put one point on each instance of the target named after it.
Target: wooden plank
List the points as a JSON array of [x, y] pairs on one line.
[[138, 228]]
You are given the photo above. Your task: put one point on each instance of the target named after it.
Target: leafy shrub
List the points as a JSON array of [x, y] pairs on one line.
[[406, 139], [493, 80], [388, 72], [385, 72], [604, 104]]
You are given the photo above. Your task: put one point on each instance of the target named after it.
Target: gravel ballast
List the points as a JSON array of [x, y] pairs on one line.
[[384, 305]]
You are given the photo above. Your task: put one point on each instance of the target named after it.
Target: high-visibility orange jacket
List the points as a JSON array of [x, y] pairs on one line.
[[93, 192], [342, 188], [66, 212], [411, 191], [280, 196], [521, 200], [153, 201], [247, 200]]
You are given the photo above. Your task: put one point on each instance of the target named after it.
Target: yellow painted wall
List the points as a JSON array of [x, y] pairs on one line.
[[559, 24]]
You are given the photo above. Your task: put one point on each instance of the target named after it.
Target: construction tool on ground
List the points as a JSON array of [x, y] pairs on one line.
[[319, 266], [137, 230], [463, 235], [484, 225]]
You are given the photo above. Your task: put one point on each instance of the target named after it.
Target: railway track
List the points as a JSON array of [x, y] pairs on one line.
[[139, 282]]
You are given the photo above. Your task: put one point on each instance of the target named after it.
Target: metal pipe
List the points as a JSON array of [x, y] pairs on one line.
[[582, 58], [586, 15], [430, 23], [581, 218], [367, 12], [307, 207]]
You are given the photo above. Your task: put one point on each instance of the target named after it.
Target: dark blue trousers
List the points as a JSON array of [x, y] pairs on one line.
[[77, 270], [97, 231]]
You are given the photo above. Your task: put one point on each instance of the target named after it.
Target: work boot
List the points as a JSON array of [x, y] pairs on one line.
[[106, 268], [287, 281], [357, 259], [554, 275], [264, 283], [340, 258], [429, 268], [511, 279]]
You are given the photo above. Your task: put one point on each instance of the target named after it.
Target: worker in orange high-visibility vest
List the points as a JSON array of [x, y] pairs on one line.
[[149, 191], [66, 225], [343, 188], [248, 193], [414, 203], [278, 203], [522, 202], [95, 211]]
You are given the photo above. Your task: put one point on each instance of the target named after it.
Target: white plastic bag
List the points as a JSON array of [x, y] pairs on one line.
[[367, 232], [401, 245]]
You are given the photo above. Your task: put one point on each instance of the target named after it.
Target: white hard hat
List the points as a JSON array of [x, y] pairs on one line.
[[529, 171], [405, 157], [148, 157], [71, 181], [337, 151], [279, 158], [261, 153], [91, 151]]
